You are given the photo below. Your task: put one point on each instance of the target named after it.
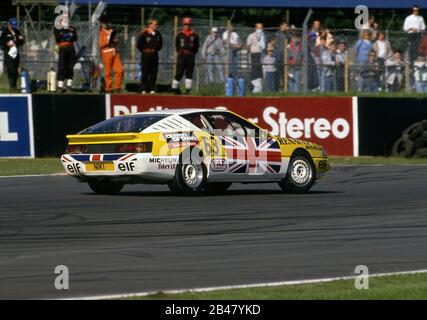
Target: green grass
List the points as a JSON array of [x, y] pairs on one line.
[[412, 287], [11, 167]]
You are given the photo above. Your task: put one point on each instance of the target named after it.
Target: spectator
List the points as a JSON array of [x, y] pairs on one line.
[[414, 25], [340, 57], [108, 42], [422, 48], [313, 74], [382, 48], [149, 43], [394, 72], [371, 73], [65, 38], [327, 35], [232, 44], [362, 48], [10, 41], [213, 51], [328, 62], [187, 45], [280, 40], [317, 53], [269, 68], [420, 74], [256, 45], [295, 55]]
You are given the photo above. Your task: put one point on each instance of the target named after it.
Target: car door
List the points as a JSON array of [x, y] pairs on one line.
[[251, 154]]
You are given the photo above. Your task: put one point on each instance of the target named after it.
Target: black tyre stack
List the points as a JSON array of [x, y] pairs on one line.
[[413, 143]]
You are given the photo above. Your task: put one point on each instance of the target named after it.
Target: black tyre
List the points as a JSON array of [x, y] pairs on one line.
[[105, 186], [190, 174], [217, 187], [301, 175]]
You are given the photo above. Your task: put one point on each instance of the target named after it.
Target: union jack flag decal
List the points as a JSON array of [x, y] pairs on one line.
[[252, 155]]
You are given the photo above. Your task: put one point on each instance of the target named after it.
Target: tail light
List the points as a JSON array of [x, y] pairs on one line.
[[142, 147], [77, 148]]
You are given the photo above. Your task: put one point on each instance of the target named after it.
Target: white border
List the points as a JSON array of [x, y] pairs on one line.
[[107, 106], [355, 111], [31, 124], [244, 286]]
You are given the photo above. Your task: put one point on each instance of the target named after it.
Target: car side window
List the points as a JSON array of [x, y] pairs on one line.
[[249, 129], [198, 120], [227, 127]]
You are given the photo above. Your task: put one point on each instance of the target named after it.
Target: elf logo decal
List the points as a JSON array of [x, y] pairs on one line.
[[74, 167], [126, 166]]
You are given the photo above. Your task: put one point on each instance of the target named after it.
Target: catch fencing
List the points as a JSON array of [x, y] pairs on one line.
[[326, 70]]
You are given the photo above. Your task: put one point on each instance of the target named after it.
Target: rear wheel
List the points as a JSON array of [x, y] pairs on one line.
[[301, 175], [105, 186], [217, 187], [190, 175]]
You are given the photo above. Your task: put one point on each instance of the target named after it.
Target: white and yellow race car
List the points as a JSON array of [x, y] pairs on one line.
[[190, 150]]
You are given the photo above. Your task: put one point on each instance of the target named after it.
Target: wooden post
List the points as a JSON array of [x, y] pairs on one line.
[[227, 53], [346, 72], [211, 17], [285, 66], [142, 17], [133, 55], [18, 13], [175, 33]]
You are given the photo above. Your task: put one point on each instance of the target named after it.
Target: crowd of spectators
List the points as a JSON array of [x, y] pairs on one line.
[[273, 61], [372, 62]]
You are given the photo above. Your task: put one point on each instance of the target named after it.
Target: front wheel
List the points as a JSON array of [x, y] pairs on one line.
[[105, 186], [301, 175]]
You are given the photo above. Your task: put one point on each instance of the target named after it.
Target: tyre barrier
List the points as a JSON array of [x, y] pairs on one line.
[[413, 142]]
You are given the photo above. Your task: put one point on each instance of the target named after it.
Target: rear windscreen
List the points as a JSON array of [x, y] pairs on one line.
[[121, 124]]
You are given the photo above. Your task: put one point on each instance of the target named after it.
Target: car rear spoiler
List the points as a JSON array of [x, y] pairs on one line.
[[103, 138]]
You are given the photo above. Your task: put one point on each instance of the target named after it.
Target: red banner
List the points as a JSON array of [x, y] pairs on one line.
[[329, 121]]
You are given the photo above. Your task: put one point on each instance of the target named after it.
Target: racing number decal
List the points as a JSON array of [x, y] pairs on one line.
[[211, 146]]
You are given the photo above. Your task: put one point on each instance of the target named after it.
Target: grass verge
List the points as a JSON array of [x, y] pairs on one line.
[[10, 167], [407, 287]]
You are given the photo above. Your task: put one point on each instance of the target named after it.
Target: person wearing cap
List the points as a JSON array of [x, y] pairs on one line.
[[187, 46], [149, 43], [213, 51], [10, 41], [108, 43], [65, 36]]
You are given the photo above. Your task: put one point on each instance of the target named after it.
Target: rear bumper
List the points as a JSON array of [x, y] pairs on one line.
[[143, 166]]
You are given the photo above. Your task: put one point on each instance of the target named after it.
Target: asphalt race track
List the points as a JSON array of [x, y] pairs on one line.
[[146, 239]]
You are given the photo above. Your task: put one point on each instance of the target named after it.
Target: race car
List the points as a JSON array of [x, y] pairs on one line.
[[190, 150]]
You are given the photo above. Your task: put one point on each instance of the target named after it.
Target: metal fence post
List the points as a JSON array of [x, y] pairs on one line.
[[305, 49]]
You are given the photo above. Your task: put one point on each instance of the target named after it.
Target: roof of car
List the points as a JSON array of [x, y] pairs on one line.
[[179, 111]]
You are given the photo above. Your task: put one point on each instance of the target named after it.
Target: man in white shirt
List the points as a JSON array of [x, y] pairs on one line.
[[256, 45], [233, 44], [414, 25]]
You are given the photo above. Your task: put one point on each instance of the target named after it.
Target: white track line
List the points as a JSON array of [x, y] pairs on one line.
[[243, 286], [34, 175]]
